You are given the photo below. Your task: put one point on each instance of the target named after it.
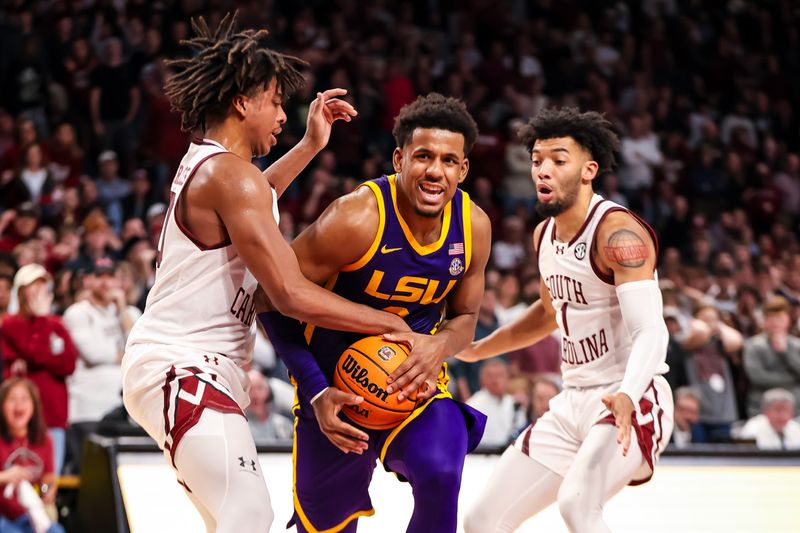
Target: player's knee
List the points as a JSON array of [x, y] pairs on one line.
[[573, 506], [437, 478], [250, 514], [479, 520]]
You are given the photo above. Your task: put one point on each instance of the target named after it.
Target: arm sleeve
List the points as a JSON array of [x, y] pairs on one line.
[[641, 306], [286, 335]]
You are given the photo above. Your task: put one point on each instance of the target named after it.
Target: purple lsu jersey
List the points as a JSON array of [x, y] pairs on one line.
[[398, 274]]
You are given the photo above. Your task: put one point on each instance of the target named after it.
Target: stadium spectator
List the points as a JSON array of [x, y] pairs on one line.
[[66, 155], [20, 225], [543, 389], [509, 304], [687, 429], [34, 177], [136, 203], [24, 443], [641, 157], [774, 428], [466, 375], [772, 359], [709, 371], [99, 326], [265, 424], [6, 283], [111, 188], [114, 101], [496, 403], [36, 345], [508, 251]]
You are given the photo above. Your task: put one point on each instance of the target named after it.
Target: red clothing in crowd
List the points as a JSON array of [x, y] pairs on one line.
[[36, 457], [48, 351]]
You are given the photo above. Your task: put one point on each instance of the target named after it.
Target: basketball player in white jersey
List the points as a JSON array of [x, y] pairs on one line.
[[597, 263], [182, 379]]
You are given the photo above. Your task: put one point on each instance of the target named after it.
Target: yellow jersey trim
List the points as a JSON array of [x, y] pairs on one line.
[[466, 208], [309, 331], [378, 236], [418, 411], [420, 249], [297, 507]]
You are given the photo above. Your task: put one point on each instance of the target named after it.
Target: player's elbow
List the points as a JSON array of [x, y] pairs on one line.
[[293, 300]]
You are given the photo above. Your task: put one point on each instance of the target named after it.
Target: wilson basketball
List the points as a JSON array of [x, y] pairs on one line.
[[362, 369]]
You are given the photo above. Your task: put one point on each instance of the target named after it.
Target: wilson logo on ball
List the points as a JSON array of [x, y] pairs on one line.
[[360, 377]]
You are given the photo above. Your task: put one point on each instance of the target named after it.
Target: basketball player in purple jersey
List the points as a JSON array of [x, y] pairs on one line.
[[599, 287], [413, 244], [182, 376]]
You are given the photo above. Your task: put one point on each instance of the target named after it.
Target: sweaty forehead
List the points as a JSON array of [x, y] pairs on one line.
[[436, 140]]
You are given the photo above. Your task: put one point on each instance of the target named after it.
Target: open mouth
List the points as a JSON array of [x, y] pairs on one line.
[[275, 134], [544, 192], [431, 193]]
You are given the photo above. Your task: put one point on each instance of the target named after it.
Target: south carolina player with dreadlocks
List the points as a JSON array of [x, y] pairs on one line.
[[182, 376]]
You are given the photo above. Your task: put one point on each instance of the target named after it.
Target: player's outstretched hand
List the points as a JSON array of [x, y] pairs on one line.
[[622, 408], [423, 363], [344, 436], [323, 112]]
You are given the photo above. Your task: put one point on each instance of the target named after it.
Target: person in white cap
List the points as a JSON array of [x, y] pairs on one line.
[[99, 325], [36, 345]]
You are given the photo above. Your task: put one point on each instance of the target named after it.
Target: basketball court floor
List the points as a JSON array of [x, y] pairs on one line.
[[686, 495]]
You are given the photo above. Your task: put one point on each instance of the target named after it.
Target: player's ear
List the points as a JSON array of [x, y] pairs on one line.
[[239, 103], [462, 174], [589, 170], [397, 159]]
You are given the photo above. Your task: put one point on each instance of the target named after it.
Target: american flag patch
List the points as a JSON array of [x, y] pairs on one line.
[[456, 248]]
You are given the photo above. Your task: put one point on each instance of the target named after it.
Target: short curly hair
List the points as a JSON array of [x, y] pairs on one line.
[[591, 130], [226, 64], [435, 111]]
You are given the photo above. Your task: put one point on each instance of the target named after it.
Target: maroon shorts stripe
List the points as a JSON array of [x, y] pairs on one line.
[[526, 441], [186, 413], [647, 435]]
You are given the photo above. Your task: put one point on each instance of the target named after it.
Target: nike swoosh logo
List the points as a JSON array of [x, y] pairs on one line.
[[385, 250]]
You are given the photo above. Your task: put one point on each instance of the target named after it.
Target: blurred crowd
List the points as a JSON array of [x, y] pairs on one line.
[[704, 95]]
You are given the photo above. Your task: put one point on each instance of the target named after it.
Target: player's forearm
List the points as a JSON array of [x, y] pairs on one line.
[[456, 334], [318, 306], [732, 340], [282, 172], [286, 336], [641, 307], [527, 329]]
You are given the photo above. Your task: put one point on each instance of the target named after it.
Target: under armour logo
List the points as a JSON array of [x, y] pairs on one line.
[[559, 250], [243, 463], [216, 361]]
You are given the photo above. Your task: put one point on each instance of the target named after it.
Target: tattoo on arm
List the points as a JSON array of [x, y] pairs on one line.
[[626, 248]]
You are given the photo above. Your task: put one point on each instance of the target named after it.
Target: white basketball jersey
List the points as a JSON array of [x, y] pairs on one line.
[[203, 295], [595, 344]]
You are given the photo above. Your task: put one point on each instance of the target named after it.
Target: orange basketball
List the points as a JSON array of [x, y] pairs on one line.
[[362, 369]]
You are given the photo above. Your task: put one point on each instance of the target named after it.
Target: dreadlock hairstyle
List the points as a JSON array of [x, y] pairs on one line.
[[590, 130], [226, 64], [435, 111]]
